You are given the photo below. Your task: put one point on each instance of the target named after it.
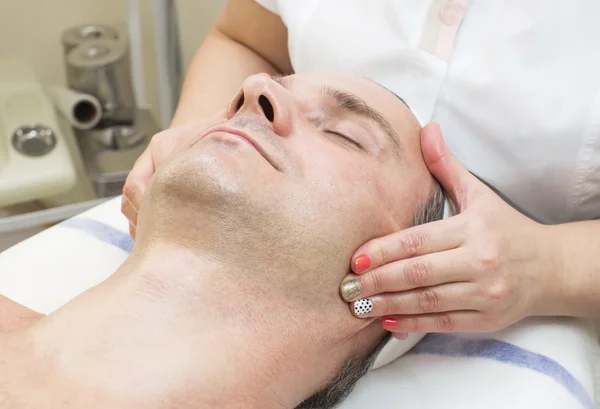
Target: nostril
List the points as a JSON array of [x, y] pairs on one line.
[[266, 107], [240, 103]]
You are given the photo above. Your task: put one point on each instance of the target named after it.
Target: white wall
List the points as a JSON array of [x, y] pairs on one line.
[[32, 29]]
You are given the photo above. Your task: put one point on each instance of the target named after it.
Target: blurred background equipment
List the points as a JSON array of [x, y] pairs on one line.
[[84, 94], [34, 157], [101, 68], [78, 35], [83, 111]]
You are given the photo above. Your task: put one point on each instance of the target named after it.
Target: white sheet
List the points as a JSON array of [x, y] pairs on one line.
[[540, 363]]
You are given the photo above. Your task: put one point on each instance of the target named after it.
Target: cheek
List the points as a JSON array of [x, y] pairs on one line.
[[336, 179], [351, 189]]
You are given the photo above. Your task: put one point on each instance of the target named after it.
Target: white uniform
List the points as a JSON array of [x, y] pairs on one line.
[[515, 84]]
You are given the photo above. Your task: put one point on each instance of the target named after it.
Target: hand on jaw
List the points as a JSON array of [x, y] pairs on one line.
[[481, 270]]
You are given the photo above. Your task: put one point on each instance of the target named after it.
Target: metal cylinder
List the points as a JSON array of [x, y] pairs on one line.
[[77, 35], [101, 68], [83, 111]]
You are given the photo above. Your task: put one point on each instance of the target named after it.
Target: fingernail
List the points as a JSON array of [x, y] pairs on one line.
[[361, 263], [362, 307], [400, 336], [390, 323], [350, 289]]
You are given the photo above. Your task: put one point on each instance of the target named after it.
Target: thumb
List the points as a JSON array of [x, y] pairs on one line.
[[456, 180]]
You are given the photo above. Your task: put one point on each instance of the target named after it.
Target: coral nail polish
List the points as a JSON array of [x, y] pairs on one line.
[[390, 323], [361, 263]]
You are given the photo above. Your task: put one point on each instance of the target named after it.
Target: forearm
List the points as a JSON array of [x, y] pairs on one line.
[[574, 287], [246, 39], [215, 74]]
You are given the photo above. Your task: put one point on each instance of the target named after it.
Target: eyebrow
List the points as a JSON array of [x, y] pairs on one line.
[[352, 104]]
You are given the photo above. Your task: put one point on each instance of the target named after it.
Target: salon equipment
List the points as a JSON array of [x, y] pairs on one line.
[[101, 68], [78, 35], [110, 152], [168, 57], [34, 157], [82, 111]]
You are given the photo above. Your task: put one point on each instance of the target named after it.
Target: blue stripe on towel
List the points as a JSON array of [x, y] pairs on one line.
[[436, 344], [101, 231], [454, 346]]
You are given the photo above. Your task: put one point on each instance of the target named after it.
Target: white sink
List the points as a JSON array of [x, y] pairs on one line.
[[23, 103]]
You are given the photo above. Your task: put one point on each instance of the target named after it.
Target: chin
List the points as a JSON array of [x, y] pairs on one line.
[[199, 180], [213, 189]]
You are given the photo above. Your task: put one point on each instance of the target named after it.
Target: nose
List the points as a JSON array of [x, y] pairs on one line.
[[262, 96]]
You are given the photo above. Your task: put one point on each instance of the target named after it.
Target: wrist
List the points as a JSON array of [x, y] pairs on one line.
[[554, 288]]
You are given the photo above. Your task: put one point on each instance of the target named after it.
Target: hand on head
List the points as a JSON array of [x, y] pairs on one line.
[[480, 270]]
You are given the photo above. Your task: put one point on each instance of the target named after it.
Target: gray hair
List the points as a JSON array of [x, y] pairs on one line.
[[355, 368], [348, 375], [433, 208]]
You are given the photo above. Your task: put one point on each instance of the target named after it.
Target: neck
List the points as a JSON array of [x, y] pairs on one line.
[[173, 329]]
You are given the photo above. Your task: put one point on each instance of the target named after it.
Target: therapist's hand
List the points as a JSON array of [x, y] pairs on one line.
[[479, 271], [161, 146]]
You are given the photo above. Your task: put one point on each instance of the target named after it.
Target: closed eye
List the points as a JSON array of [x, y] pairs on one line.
[[342, 136]]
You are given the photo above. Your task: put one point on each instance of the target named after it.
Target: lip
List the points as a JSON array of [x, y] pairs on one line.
[[247, 138]]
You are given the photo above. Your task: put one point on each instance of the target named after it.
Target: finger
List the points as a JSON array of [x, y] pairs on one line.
[[136, 184], [130, 212], [161, 146], [423, 271], [400, 335], [455, 321], [441, 298], [457, 181], [428, 238], [132, 231]]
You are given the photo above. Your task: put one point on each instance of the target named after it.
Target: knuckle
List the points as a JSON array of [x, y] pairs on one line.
[[388, 306], [153, 142], [383, 254], [489, 258], [377, 282], [158, 137], [428, 301], [497, 292], [418, 272], [412, 243], [413, 324], [129, 189], [445, 323]]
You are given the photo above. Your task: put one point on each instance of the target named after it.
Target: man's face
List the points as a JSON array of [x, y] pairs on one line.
[[301, 171]]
